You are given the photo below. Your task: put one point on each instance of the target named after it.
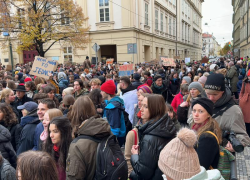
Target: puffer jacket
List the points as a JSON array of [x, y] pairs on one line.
[[153, 138], [6, 148], [230, 117], [7, 171], [81, 161]]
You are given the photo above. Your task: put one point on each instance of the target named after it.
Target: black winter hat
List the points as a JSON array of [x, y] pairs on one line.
[[215, 82], [157, 76], [137, 76], [205, 103]]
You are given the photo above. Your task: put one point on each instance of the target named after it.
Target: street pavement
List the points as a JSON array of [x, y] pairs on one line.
[[243, 164]]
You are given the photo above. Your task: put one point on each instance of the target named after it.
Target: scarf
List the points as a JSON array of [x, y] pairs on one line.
[[44, 135], [139, 114], [56, 148], [158, 87], [196, 127]]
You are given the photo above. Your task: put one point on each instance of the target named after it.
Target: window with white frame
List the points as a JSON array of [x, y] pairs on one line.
[[162, 22], [156, 20], [166, 20], [183, 31], [104, 10], [188, 34], [170, 26], [146, 14], [68, 54]]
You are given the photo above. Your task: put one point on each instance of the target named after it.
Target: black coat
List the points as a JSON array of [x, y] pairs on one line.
[[163, 91], [15, 131], [174, 88], [5, 146], [153, 138], [136, 84], [29, 124]]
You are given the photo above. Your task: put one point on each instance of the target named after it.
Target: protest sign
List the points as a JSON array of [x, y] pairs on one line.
[[109, 61], [167, 61], [8, 68], [126, 70], [42, 67], [187, 60]]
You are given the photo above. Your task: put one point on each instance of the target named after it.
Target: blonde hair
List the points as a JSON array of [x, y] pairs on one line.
[[68, 91], [54, 113], [196, 78], [5, 93], [95, 81]]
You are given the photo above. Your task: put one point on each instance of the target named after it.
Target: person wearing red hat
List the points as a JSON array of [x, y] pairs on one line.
[[27, 79], [114, 110]]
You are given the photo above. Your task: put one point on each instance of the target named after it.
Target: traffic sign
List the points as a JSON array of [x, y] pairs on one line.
[[96, 47], [132, 48]]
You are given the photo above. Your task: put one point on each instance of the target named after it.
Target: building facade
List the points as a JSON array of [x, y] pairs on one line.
[[158, 28], [241, 30], [210, 46]]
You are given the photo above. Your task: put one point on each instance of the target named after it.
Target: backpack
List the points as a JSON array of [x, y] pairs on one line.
[[225, 159], [110, 161]]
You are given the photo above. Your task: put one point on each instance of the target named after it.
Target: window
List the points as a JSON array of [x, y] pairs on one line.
[[166, 20], [20, 13], [174, 2], [6, 60], [183, 31], [183, 1], [68, 54], [188, 34], [162, 22], [170, 28], [156, 20], [64, 17], [104, 10], [146, 14]]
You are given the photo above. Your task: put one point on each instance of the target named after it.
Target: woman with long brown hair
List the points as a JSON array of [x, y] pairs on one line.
[[9, 120], [208, 133], [36, 165], [154, 135]]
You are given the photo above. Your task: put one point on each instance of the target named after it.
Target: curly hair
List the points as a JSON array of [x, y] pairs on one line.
[[31, 85], [9, 117]]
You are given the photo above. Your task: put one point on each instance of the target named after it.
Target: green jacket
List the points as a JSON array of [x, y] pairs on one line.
[[83, 92], [232, 75]]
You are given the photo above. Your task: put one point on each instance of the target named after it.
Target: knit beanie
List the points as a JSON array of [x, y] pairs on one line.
[[179, 160], [145, 88], [215, 82], [205, 103], [187, 79], [213, 67], [195, 85], [157, 76], [202, 79], [109, 87], [27, 79]]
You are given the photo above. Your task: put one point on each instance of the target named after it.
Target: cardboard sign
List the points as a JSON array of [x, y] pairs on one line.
[[9, 68], [167, 61], [204, 60], [187, 60], [42, 67], [126, 70], [109, 61]]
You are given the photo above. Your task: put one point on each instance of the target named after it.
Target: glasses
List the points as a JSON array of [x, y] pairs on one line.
[[198, 111]]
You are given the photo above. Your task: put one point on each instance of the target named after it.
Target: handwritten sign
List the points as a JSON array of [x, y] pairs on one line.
[[42, 67], [167, 61], [109, 61], [126, 70]]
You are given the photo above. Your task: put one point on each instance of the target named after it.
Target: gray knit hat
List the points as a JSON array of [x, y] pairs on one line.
[[187, 79], [195, 85]]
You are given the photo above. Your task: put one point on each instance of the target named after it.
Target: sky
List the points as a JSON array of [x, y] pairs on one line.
[[218, 15]]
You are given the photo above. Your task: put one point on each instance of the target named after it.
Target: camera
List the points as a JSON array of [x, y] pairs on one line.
[[231, 136]]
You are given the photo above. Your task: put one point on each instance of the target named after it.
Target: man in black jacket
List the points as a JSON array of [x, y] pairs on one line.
[[137, 78], [21, 98]]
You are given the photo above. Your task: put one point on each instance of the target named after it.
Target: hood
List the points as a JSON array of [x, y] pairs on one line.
[[164, 128], [96, 127], [129, 88], [240, 77], [117, 99], [4, 134], [226, 97], [33, 113], [207, 175]]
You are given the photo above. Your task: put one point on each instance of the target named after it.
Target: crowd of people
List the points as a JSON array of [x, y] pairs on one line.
[[87, 122]]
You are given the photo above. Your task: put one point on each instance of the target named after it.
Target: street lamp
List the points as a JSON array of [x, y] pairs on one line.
[[6, 34]]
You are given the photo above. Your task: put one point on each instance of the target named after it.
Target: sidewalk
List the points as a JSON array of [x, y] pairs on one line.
[[243, 164]]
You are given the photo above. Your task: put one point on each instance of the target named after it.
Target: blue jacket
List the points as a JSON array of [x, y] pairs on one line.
[[38, 131], [113, 112], [29, 124], [239, 84], [63, 83]]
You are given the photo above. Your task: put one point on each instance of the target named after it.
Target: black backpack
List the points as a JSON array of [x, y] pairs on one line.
[[110, 161]]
